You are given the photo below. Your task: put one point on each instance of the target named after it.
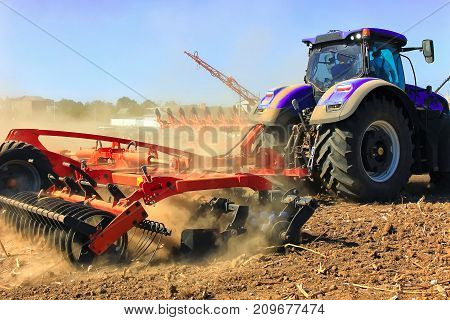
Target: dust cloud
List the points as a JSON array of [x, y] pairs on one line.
[[27, 261]]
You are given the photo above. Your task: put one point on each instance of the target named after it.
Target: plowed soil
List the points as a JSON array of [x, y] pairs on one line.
[[397, 250]]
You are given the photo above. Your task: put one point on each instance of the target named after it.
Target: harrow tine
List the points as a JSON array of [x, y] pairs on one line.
[[30, 199], [156, 249], [148, 242], [17, 215], [55, 232], [154, 229], [141, 242], [134, 233], [149, 230], [70, 211], [58, 232]]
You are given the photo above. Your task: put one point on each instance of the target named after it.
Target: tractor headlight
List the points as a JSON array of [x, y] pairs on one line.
[[334, 107]]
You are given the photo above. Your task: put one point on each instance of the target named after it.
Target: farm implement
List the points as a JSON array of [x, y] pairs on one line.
[[95, 207], [231, 121]]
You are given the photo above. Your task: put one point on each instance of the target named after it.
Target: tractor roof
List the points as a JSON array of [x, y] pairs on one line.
[[336, 35]]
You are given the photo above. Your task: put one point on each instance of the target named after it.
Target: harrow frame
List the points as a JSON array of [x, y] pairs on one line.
[[77, 182]]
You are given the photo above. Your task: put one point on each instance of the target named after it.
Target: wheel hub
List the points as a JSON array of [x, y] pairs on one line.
[[380, 151], [17, 176]]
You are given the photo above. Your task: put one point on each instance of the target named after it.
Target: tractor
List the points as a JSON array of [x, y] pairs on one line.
[[355, 124]]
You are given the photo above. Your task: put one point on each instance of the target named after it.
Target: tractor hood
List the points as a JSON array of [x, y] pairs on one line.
[[276, 105]]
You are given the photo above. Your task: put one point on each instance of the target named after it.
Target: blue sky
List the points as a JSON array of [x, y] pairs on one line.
[[142, 43]]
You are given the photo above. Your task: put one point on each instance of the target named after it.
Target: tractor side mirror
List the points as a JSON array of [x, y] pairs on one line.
[[295, 104], [428, 50]]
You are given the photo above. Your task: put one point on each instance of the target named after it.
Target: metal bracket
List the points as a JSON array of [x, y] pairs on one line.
[[130, 217], [89, 190], [305, 209], [237, 226], [115, 192], [72, 185]]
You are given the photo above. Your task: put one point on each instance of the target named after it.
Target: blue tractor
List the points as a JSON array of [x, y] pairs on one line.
[[355, 123]]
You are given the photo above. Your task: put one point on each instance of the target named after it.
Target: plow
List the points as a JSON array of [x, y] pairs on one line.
[[234, 121], [355, 129]]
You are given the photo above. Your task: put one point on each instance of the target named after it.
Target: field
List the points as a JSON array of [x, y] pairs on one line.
[[397, 250]]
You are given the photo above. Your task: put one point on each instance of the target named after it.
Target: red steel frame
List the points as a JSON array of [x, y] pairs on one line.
[[151, 187]]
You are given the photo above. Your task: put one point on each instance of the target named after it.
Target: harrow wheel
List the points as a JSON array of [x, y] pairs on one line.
[[76, 243], [22, 168], [41, 219], [71, 227]]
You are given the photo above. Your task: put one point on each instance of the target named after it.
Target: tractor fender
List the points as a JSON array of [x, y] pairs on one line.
[[276, 107], [342, 100]]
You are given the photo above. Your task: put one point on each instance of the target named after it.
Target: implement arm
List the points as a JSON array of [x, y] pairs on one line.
[[228, 81]]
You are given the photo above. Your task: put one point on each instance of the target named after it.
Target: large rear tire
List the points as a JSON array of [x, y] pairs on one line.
[[367, 157]]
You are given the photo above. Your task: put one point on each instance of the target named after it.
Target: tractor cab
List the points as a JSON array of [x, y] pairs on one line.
[[338, 56], [368, 52]]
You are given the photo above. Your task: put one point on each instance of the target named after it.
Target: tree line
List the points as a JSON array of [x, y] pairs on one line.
[[100, 110]]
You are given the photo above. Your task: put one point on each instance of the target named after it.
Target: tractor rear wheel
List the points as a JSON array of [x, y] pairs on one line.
[[368, 156], [22, 168]]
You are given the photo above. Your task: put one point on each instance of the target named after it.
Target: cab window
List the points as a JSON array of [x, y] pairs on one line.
[[385, 63]]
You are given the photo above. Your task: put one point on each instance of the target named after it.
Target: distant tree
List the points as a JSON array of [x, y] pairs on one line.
[[134, 109], [126, 102], [100, 110], [170, 104], [148, 104], [71, 108]]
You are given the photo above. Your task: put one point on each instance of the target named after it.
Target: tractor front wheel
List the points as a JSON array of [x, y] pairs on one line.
[[368, 156]]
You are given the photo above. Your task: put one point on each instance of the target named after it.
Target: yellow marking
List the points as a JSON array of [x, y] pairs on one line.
[[139, 180]]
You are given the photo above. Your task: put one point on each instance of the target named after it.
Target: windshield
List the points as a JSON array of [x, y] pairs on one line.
[[333, 63]]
